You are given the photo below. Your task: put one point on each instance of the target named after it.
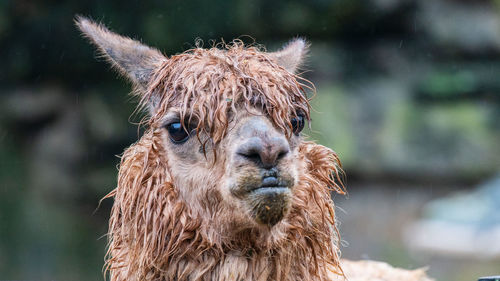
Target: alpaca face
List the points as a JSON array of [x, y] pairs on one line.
[[260, 165]]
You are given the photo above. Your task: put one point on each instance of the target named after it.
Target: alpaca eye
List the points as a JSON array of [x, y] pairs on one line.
[[297, 124], [177, 133]]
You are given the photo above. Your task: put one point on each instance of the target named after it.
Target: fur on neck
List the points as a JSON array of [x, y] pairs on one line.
[[154, 235]]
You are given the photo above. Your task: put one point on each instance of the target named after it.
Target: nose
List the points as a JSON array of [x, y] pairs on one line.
[[264, 151]]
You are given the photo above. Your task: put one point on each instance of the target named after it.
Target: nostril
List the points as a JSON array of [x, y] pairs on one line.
[[251, 150], [251, 155], [282, 154], [264, 153]]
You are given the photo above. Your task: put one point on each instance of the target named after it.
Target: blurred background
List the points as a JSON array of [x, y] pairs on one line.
[[408, 95]]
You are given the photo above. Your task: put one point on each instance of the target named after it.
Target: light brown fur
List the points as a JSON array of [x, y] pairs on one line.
[[174, 215], [159, 236]]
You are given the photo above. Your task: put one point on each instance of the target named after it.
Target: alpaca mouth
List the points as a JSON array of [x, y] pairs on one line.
[[265, 180], [270, 200], [267, 195], [272, 184]]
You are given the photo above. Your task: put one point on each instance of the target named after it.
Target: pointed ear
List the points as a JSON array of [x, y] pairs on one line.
[[132, 59], [292, 55]]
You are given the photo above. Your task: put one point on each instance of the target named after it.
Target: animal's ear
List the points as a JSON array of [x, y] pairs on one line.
[[133, 59], [292, 55]]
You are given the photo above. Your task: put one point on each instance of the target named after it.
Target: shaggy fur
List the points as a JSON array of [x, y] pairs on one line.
[[209, 85], [155, 235], [174, 216]]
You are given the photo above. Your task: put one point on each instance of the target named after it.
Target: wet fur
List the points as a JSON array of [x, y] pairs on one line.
[[171, 219], [181, 212], [156, 236]]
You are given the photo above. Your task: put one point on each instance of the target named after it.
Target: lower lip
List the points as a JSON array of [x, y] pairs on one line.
[[271, 189]]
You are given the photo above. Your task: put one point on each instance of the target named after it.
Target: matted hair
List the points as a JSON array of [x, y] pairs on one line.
[[208, 85], [155, 236], [154, 233]]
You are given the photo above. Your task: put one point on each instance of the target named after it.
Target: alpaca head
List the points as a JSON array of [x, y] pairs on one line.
[[224, 135], [230, 121]]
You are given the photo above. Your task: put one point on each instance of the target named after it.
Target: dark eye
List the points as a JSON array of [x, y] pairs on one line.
[[297, 124], [177, 133]]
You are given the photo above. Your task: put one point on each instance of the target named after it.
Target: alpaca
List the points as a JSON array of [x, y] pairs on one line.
[[221, 186]]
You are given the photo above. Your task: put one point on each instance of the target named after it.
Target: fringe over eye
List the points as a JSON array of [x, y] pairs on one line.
[[211, 84], [298, 123], [177, 133]]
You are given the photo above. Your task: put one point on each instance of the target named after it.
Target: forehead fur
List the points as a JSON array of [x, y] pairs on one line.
[[209, 85]]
